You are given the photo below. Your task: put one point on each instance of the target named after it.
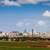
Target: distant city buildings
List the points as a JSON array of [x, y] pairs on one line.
[[25, 34]]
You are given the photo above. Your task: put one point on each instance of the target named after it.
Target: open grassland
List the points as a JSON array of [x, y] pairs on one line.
[[24, 48], [25, 44], [40, 45]]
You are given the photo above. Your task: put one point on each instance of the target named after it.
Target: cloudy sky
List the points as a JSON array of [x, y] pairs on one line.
[[17, 15]]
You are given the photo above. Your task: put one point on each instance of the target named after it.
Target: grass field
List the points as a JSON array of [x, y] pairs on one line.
[[24, 44], [24, 48], [40, 45]]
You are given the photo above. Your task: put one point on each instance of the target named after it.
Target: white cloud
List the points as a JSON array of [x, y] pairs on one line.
[[27, 24], [19, 2], [31, 24], [25, 1], [46, 13], [20, 24], [10, 3], [41, 23], [31, 1], [23, 24]]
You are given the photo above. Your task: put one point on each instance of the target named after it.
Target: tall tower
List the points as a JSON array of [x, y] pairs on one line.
[[32, 32], [25, 30]]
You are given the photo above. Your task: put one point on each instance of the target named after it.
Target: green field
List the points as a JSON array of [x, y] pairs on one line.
[[24, 44], [24, 48], [40, 45]]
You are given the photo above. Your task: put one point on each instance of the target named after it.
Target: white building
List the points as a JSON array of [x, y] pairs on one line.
[[12, 34], [48, 34]]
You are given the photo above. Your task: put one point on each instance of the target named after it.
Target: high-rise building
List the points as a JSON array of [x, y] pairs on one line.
[[25, 30], [32, 32]]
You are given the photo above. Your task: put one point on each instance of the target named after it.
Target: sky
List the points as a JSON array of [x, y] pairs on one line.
[[18, 15]]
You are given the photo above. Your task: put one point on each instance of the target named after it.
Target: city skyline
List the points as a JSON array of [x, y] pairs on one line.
[[29, 14]]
